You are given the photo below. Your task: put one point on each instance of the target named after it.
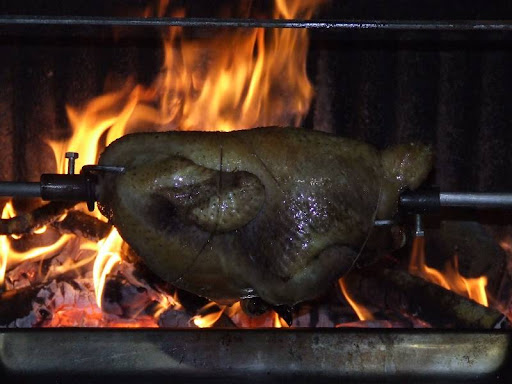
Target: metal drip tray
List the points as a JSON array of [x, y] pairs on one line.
[[142, 356]]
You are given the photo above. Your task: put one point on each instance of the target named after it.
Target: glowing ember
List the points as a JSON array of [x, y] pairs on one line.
[[506, 244], [269, 319], [450, 278], [361, 312]]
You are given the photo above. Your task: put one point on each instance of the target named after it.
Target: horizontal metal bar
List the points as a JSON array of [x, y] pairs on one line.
[[420, 25], [249, 356], [476, 200], [20, 189], [383, 223], [431, 200]]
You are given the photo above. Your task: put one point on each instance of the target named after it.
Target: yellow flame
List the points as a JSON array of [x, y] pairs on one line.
[[236, 314], [69, 264], [278, 322], [238, 78], [107, 112], [108, 256], [35, 253], [7, 212], [165, 302], [361, 312], [9, 256], [41, 230], [208, 320], [450, 278]]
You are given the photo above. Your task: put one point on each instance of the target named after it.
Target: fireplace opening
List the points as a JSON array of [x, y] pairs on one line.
[[62, 265], [77, 77]]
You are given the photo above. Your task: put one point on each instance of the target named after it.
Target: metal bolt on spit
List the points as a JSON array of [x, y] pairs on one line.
[[71, 156], [418, 226]]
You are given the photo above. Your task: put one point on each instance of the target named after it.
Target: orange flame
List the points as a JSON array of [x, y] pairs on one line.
[[361, 312], [208, 315], [7, 213], [450, 278], [9, 256], [106, 113], [209, 319], [235, 79], [278, 322]]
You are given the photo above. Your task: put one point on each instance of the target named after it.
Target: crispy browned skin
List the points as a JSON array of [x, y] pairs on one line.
[[276, 212]]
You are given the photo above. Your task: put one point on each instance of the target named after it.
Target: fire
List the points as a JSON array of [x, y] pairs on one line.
[[237, 79], [232, 79], [165, 302], [361, 312], [7, 213], [278, 322], [106, 114], [107, 257], [450, 278], [270, 319], [9, 256], [208, 315]]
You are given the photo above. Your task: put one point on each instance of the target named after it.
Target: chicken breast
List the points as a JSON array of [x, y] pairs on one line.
[[278, 213]]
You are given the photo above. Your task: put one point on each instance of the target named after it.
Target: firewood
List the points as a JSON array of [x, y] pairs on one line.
[[16, 303], [29, 221], [402, 292], [477, 251], [83, 225]]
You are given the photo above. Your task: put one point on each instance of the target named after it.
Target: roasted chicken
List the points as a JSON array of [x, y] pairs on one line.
[[278, 213]]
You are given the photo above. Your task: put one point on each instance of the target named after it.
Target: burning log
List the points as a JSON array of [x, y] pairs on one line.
[[175, 319], [478, 253], [59, 266], [399, 291], [29, 221], [83, 225], [16, 304]]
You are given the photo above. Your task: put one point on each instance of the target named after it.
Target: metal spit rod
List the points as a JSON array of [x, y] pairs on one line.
[[61, 187], [432, 200], [23, 189], [477, 200], [389, 25], [71, 187]]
